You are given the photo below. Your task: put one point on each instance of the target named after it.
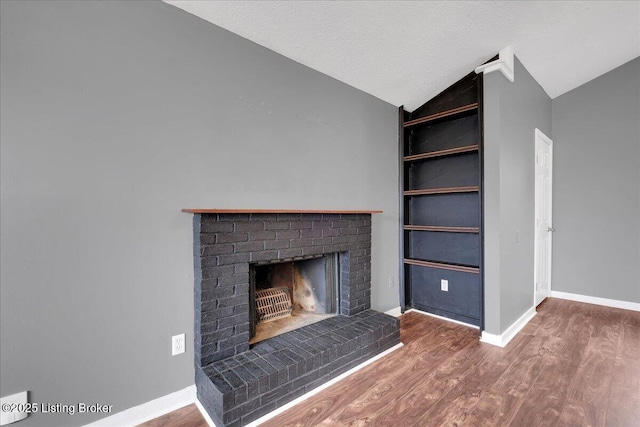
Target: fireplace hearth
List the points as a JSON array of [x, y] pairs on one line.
[[249, 362]]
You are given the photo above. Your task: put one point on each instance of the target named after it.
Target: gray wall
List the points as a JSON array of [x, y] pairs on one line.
[[512, 111], [115, 115], [596, 199]]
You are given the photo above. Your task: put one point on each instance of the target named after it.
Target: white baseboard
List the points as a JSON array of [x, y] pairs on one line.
[[149, 410], [205, 414], [504, 338], [441, 318], [395, 312], [322, 387], [626, 305]]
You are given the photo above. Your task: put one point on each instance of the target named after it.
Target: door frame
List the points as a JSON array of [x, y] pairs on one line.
[[539, 135]]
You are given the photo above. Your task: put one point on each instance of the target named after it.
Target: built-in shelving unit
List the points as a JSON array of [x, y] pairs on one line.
[[442, 188], [441, 153], [447, 190], [452, 267], [442, 115], [446, 229]]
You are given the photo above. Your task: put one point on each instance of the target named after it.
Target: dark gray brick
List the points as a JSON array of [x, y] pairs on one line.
[[234, 320], [288, 234], [308, 234], [249, 246], [331, 232], [249, 226], [277, 225], [241, 288], [276, 244], [262, 235], [364, 230], [300, 243], [210, 261], [300, 225], [236, 279], [321, 225], [264, 256], [233, 258], [211, 250], [213, 315], [325, 241], [211, 272], [209, 296], [347, 231], [241, 328], [217, 336], [233, 217], [232, 301], [342, 239], [312, 251], [289, 253], [235, 340], [263, 410], [241, 309], [263, 217], [241, 268], [231, 237], [287, 217], [216, 227]]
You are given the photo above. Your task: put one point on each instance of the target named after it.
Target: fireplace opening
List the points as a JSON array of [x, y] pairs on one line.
[[288, 295]]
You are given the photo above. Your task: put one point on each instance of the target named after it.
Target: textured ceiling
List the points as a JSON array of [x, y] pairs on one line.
[[406, 52]]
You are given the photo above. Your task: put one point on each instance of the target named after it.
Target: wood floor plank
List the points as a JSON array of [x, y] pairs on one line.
[[574, 333], [575, 364], [452, 409], [622, 412], [629, 343], [545, 400], [526, 369], [495, 408], [189, 416], [592, 380], [578, 413], [625, 382]]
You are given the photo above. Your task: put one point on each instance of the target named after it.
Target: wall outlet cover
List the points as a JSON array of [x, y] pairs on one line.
[[177, 344], [444, 285]]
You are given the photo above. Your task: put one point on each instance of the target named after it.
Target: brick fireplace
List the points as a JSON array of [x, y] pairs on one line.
[[238, 382]]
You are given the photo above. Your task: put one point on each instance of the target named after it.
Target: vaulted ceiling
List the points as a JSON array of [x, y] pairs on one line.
[[406, 52]]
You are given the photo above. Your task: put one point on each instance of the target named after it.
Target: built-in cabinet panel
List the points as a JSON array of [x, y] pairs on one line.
[[445, 134], [460, 302], [447, 247], [459, 209], [442, 239], [460, 170]]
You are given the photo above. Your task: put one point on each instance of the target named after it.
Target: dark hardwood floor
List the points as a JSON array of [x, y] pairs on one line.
[[574, 364]]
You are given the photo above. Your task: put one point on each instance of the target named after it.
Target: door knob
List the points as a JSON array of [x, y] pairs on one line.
[[551, 229]]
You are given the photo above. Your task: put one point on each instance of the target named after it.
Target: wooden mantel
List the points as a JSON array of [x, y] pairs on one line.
[[277, 211]]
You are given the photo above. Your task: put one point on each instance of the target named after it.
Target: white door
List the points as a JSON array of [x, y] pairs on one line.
[[543, 224]]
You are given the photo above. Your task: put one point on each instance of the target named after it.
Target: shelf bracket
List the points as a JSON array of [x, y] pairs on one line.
[[504, 64]]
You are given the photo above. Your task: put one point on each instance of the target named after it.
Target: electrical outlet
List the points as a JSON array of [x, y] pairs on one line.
[[391, 281], [177, 344], [444, 285], [14, 408]]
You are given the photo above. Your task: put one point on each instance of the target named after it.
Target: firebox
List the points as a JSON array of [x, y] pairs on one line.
[[289, 295]]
